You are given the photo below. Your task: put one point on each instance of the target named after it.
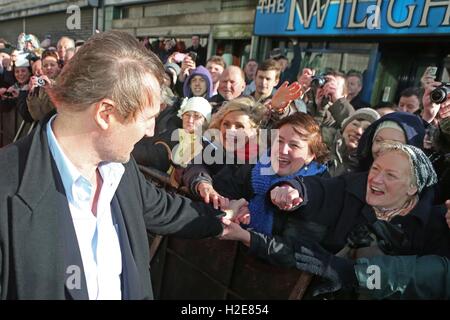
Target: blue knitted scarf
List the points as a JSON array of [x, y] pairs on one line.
[[261, 210]]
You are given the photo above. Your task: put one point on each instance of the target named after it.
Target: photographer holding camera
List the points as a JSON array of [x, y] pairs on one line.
[[38, 101], [329, 107], [436, 112]]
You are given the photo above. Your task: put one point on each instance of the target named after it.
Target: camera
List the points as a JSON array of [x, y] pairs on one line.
[[318, 81], [8, 95], [193, 55], [40, 82], [179, 57], [439, 94]]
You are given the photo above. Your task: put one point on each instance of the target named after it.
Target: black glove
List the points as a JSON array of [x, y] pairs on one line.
[[337, 273]]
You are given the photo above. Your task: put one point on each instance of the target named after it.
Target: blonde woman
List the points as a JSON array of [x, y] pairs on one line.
[[234, 133]]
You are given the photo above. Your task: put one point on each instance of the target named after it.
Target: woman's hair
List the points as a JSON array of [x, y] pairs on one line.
[[307, 127], [248, 105], [50, 53]]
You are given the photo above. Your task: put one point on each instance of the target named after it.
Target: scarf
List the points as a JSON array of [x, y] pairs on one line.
[[388, 214], [188, 148], [248, 153], [261, 210]]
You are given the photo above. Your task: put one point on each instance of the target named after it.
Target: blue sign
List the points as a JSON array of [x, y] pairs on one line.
[[352, 17]]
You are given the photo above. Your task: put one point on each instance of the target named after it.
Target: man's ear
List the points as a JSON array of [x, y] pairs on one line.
[[104, 113]]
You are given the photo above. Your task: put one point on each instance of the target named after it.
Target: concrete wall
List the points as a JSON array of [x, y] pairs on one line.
[[42, 17], [224, 19], [53, 24], [26, 8]]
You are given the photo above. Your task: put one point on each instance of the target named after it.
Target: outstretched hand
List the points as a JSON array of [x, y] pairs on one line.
[[430, 109], [337, 273], [285, 95], [210, 195], [236, 210], [285, 197]]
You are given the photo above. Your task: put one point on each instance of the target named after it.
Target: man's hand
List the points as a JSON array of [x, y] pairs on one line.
[[186, 66], [447, 216], [209, 195], [285, 95], [285, 197], [237, 211], [337, 273], [444, 112], [330, 89], [430, 109], [233, 231], [13, 91]]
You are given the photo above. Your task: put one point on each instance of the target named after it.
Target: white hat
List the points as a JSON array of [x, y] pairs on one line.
[[197, 104], [22, 61]]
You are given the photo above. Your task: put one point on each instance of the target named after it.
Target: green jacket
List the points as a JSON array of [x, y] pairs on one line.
[[404, 277]]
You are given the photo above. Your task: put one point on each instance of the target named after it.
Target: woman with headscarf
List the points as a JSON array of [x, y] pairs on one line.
[[401, 127], [386, 211]]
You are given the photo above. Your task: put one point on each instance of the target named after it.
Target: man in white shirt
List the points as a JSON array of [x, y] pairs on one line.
[[74, 208]]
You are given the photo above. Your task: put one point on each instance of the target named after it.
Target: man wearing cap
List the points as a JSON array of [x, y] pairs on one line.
[[344, 147]]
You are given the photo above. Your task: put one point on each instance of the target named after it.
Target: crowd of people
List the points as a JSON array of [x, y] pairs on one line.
[[332, 184]]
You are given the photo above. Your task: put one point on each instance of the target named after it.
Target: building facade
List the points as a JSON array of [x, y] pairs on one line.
[[391, 42], [224, 26], [54, 18]]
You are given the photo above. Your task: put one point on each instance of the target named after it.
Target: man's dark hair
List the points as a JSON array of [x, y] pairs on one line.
[[355, 73], [268, 65], [385, 104], [411, 91]]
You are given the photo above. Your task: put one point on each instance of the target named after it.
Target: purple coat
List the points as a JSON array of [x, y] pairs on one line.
[[204, 73]]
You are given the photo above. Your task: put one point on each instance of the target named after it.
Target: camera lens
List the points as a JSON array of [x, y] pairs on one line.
[[318, 82], [439, 95], [41, 82]]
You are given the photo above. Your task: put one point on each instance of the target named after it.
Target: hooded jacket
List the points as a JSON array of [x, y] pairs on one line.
[[204, 73], [412, 126]]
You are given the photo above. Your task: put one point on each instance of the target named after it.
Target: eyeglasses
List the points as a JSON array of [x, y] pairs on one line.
[[193, 115]]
